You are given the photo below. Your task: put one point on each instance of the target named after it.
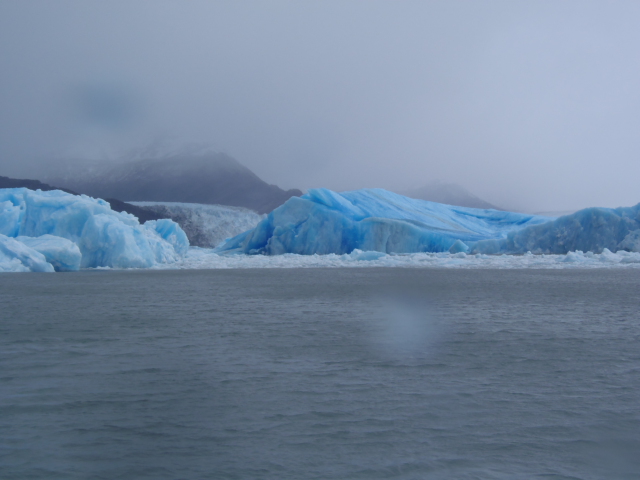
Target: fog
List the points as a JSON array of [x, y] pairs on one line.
[[529, 105]]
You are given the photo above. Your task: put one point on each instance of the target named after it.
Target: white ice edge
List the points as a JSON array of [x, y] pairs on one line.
[[203, 259]]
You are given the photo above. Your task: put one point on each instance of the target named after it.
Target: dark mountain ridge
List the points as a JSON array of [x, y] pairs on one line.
[[6, 182], [208, 179]]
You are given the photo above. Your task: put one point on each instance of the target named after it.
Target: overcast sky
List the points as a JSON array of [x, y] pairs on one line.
[[530, 105]]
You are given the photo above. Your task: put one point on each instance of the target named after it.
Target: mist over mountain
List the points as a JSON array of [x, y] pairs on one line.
[[211, 178], [450, 194]]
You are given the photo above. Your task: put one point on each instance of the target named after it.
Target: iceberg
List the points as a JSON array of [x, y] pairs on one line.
[[15, 256], [326, 222], [590, 230], [62, 254], [70, 232]]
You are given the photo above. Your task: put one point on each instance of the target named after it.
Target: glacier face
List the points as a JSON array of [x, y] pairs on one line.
[[56, 226], [206, 226], [588, 230], [325, 222]]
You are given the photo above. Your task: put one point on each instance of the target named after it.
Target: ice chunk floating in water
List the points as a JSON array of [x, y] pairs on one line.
[[459, 247], [60, 225], [323, 222], [589, 230], [204, 258]]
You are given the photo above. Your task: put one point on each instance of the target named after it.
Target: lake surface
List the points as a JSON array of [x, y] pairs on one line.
[[320, 374]]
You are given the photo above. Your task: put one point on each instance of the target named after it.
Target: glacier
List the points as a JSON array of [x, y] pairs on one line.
[[206, 226], [55, 230], [326, 222]]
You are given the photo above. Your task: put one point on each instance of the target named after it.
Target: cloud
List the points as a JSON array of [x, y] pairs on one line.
[[530, 105]]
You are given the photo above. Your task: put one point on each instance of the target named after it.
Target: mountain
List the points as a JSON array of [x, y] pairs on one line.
[[6, 182], [205, 178], [449, 194]]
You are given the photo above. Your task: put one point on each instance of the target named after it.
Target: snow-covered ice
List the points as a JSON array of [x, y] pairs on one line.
[[104, 238], [202, 258], [323, 222]]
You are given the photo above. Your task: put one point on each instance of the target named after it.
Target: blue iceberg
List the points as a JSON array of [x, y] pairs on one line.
[[324, 222], [70, 232], [15, 256], [62, 254], [589, 230]]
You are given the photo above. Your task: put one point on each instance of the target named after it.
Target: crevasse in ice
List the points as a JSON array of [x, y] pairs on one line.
[[55, 226], [324, 222]]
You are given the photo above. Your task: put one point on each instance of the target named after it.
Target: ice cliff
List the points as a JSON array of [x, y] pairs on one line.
[[40, 231], [207, 226], [324, 222]]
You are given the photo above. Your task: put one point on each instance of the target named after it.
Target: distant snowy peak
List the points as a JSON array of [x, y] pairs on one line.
[[204, 178], [449, 194]]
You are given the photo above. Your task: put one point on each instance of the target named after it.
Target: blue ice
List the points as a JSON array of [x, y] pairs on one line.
[[62, 254], [588, 230], [323, 222], [70, 232], [15, 256]]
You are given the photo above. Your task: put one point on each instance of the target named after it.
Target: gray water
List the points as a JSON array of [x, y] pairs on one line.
[[318, 374]]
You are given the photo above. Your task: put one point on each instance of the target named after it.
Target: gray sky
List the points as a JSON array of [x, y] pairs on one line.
[[530, 105]]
